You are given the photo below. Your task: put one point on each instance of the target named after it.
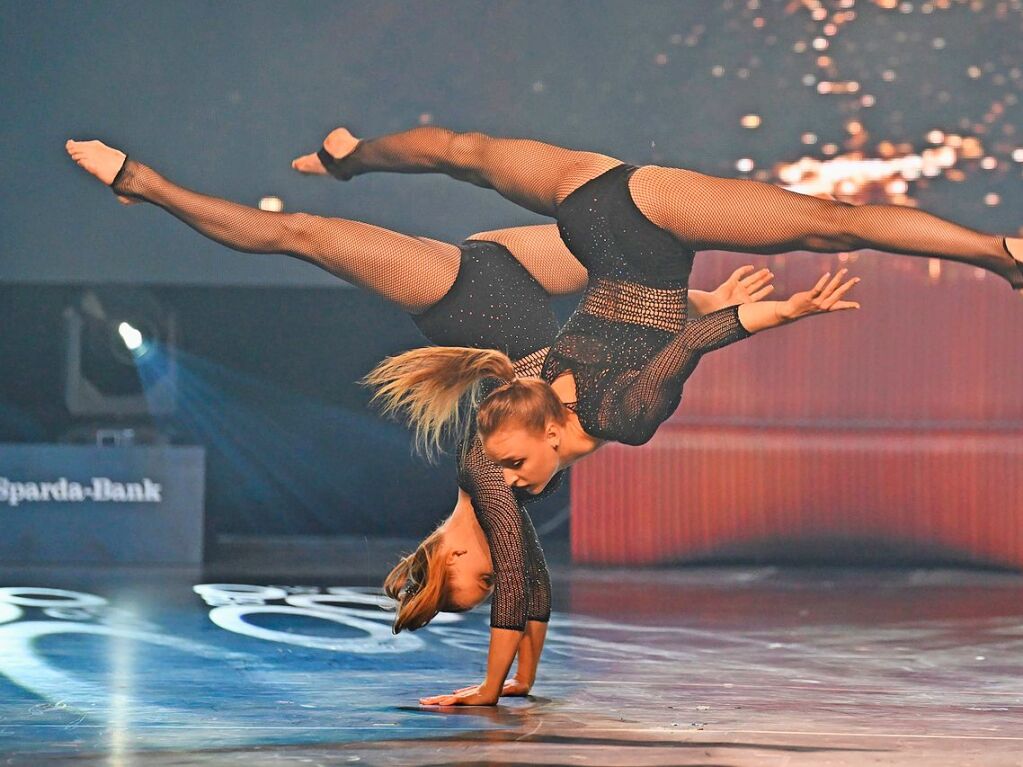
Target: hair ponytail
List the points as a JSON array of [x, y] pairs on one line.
[[418, 584], [428, 386]]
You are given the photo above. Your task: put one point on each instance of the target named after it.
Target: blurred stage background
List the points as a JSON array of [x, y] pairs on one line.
[[891, 434]]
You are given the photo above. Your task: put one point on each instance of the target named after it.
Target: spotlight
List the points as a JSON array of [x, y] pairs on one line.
[[132, 337], [120, 354]]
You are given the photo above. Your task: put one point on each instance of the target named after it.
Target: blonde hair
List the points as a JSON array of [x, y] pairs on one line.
[[430, 384], [419, 584], [528, 402]]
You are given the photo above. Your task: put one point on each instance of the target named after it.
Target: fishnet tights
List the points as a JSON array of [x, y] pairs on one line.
[[533, 174], [702, 212], [412, 272], [544, 255], [707, 212]]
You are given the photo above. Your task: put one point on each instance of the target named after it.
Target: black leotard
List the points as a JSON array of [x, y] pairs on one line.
[[494, 303], [628, 343]]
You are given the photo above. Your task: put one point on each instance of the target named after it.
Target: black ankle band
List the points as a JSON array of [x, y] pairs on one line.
[[330, 163], [338, 167], [120, 172]]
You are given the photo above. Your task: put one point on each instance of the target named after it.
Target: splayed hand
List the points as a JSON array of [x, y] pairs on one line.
[[825, 296], [744, 286]]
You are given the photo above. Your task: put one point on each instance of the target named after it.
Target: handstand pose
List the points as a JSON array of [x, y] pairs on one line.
[[617, 368], [478, 294]]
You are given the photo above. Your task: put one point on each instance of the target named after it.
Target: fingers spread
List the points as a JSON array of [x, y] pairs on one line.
[[834, 297], [755, 277], [437, 700], [835, 281], [737, 274]]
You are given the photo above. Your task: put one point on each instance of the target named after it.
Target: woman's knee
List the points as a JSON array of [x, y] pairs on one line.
[[466, 151], [299, 232], [835, 228]]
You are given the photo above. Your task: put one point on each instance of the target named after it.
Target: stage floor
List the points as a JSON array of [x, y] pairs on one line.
[[736, 666]]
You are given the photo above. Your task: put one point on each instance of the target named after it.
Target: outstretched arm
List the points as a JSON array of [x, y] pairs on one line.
[[642, 403], [530, 649], [538, 613]]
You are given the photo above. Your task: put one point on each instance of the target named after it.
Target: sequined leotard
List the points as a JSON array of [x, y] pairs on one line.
[[494, 303], [628, 343]]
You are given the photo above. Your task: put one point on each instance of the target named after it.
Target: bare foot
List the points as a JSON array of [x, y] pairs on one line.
[[100, 160], [339, 143], [1015, 247]]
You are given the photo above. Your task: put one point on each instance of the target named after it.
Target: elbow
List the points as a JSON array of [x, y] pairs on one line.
[[643, 428], [640, 434]]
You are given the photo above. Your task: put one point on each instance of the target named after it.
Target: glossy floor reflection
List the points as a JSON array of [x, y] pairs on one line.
[[684, 667]]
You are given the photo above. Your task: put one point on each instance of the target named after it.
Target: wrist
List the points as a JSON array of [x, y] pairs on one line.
[[524, 678], [716, 299], [489, 690], [782, 312]]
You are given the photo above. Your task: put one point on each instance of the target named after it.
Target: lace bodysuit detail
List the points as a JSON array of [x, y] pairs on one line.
[[622, 301], [628, 344]]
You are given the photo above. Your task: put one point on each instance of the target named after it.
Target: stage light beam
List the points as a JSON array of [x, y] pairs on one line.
[[131, 336]]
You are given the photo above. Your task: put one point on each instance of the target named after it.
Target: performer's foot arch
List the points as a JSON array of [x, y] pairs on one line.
[[99, 160]]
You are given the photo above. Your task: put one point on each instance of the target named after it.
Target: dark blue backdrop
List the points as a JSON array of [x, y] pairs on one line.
[[222, 95]]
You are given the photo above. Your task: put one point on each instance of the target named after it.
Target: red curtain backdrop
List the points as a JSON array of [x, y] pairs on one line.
[[895, 427]]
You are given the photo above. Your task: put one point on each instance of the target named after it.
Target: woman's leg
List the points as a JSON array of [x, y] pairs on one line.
[[543, 254], [412, 272], [706, 212], [533, 174]]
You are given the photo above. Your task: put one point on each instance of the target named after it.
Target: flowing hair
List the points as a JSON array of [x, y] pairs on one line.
[[434, 387], [418, 584]]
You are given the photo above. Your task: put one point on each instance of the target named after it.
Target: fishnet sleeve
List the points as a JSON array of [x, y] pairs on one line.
[[502, 520], [640, 400], [538, 595]]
